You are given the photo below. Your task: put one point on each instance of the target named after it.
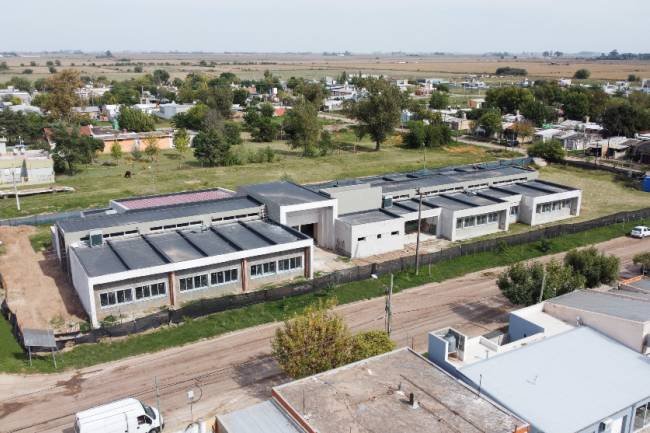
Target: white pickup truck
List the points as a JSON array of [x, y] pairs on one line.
[[122, 416], [640, 232]]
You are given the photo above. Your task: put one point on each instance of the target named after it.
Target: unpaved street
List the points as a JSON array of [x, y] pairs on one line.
[[235, 370]]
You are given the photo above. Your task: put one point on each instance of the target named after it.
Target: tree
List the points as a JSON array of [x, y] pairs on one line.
[[623, 118], [643, 260], [160, 76], [20, 83], [379, 113], [260, 122], [232, 133], [490, 122], [596, 267], [537, 112], [137, 69], [181, 143], [192, 118], [116, 152], [416, 135], [439, 100], [507, 99], [522, 283], [211, 149], [302, 127], [151, 148], [508, 70], [220, 98], [576, 104], [524, 130], [582, 74], [13, 125], [135, 120], [52, 70], [312, 342], [239, 96], [632, 78], [72, 148], [551, 151], [314, 93], [62, 93], [370, 343]]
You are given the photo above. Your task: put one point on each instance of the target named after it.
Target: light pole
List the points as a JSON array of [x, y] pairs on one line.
[[388, 317], [417, 242]]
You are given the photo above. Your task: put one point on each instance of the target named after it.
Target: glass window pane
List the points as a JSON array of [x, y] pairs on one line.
[[147, 291], [220, 277], [204, 280], [213, 278], [234, 273], [138, 293], [128, 295], [103, 299]]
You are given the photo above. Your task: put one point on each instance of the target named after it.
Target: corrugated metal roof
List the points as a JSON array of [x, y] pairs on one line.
[[264, 417], [567, 382]]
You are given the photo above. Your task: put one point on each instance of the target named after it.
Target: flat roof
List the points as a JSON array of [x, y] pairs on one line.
[[597, 375], [608, 303], [177, 198], [367, 217], [372, 396], [535, 188], [284, 193], [263, 417], [179, 246], [496, 193], [104, 220], [461, 200]]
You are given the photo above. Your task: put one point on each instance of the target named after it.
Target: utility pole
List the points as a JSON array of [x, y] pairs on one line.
[[155, 381], [417, 242], [541, 292], [389, 306]]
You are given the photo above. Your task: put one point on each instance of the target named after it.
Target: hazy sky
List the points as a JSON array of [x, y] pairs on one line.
[[470, 26]]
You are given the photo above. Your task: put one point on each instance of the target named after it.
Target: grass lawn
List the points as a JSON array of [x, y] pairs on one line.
[[96, 184], [13, 360]]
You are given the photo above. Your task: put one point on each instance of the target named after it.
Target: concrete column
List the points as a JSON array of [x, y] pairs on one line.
[[171, 286], [307, 260], [244, 275]]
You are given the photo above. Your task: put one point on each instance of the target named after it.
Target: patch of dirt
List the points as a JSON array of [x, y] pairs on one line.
[[72, 386], [37, 290]]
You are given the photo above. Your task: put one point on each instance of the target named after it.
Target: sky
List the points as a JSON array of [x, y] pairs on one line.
[[360, 26]]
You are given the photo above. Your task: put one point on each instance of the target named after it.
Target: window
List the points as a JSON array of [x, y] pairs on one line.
[[290, 264], [394, 233], [469, 221], [195, 282], [122, 296], [361, 239], [481, 219], [144, 419], [493, 217], [379, 236], [642, 416], [155, 229], [262, 269], [459, 223], [514, 210], [223, 277], [150, 291]]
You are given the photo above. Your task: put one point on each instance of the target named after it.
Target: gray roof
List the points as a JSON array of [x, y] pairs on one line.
[[496, 193], [609, 304], [283, 193], [367, 217], [99, 221], [372, 395], [422, 178], [461, 200], [534, 188], [263, 417], [567, 382], [179, 246], [409, 206]]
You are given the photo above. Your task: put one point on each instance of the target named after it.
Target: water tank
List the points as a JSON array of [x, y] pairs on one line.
[[645, 183]]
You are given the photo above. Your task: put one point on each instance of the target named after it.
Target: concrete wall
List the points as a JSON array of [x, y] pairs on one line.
[[629, 333], [83, 288], [519, 327], [212, 291], [529, 214], [136, 306], [501, 224], [380, 237], [356, 198]]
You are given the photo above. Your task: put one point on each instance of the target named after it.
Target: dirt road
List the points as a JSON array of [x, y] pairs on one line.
[[235, 370]]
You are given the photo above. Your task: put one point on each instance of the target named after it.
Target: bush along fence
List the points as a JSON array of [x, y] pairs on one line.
[[205, 307]]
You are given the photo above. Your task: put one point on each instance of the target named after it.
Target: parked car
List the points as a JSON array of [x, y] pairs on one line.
[[122, 416], [640, 232]]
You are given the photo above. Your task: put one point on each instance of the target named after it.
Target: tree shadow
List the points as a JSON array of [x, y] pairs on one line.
[[258, 374], [483, 312]]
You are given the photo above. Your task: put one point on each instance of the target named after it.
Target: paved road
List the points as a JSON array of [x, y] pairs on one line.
[[235, 370]]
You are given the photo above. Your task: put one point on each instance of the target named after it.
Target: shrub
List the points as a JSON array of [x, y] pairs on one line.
[[582, 74], [508, 70], [643, 260], [551, 151], [596, 267], [370, 343]]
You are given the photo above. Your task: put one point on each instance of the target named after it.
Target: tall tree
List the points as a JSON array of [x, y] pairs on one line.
[[211, 149], [135, 120], [302, 127], [72, 148], [181, 143], [490, 121], [379, 112], [439, 100], [62, 89]]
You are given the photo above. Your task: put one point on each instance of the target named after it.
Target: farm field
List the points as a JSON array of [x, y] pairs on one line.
[[318, 66]]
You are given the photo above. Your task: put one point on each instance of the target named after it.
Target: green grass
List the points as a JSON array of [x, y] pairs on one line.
[[96, 184], [12, 359], [42, 239]]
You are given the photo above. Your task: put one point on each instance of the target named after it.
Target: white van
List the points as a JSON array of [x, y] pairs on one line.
[[121, 416]]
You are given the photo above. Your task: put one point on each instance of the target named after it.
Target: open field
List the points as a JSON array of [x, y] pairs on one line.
[[98, 183], [318, 66]]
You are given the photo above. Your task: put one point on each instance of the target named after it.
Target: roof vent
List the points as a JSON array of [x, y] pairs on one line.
[[387, 202], [96, 238]]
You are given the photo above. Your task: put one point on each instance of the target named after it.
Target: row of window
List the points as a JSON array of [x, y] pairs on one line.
[[125, 296], [642, 416], [553, 206], [379, 236], [234, 217], [477, 220], [269, 268], [216, 279], [175, 226]]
